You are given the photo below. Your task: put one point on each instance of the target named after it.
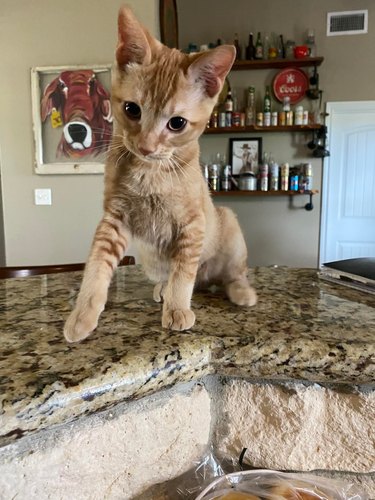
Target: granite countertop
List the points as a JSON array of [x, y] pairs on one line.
[[301, 329]]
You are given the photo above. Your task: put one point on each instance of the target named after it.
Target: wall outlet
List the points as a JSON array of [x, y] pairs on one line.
[[43, 196]]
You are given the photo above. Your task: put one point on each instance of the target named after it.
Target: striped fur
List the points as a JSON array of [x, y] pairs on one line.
[[159, 199]]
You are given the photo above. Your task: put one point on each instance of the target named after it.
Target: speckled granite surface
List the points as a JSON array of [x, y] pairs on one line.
[[301, 328]]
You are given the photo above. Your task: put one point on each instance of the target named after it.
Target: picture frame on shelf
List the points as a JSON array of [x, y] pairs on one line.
[[72, 129], [245, 154]]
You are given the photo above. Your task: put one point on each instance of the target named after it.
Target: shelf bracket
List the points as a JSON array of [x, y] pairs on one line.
[[309, 206]]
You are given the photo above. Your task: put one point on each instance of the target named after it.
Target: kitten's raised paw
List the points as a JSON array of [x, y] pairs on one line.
[[159, 292], [178, 319], [241, 294], [79, 325]]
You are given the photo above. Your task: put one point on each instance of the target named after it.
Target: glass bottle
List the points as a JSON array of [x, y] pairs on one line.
[[272, 51], [228, 104], [289, 49], [250, 106], [267, 100], [237, 46], [281, 48], [286, 103], [259, 47], [310, 42], [250, 49], [266, 46], [235, 100]]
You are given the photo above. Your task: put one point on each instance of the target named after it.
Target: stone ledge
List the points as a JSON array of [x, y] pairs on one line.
[[297, 427], [121, 452], [111, 455]]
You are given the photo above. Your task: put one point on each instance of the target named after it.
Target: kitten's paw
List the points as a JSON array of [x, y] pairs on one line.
[[178, 319], [158, 294], [241, 293], [79, 325]]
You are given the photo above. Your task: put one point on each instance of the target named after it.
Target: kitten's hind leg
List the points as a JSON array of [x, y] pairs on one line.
[[233, 256], [241, 293], [159, 290], [110, 243]]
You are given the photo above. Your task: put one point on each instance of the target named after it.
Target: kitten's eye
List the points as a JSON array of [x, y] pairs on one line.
[[132, 110], [176, 124]]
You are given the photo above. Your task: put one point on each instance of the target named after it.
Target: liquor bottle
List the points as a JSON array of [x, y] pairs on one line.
[[310, 42], [235, 100], [259, 47], [281, 48], [237, 46], [266, 46], [250, 107], [272, 51], [228, 104], [267, 108], [228, 109], [250, 49], [267, 101]]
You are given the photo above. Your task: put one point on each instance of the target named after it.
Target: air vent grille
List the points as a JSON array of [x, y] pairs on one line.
[[347, 23]]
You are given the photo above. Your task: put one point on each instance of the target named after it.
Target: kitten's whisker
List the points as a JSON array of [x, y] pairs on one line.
[[168, 169], [119, 147], [179, 167], [124, 154], [173, 167], [180, 160]]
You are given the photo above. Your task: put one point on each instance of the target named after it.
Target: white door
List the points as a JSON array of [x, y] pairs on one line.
[[348, 203]]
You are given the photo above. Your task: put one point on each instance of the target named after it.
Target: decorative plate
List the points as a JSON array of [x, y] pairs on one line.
[[292, 82]]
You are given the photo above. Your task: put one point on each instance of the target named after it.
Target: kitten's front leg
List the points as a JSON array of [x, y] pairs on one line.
[[109, 245], [177, 314]]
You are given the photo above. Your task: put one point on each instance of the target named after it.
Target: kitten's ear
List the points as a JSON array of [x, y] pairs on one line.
[[133, 45], [212, 67]]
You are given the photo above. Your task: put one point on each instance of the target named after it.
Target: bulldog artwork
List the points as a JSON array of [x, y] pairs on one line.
[[77, 101]]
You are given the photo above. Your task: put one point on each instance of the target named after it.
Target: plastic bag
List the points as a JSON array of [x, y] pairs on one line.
[[202, 475], [190, 483], [273, 485], [211, 478]]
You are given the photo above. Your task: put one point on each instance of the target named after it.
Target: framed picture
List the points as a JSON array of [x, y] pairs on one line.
[[72, 118], [245, 154], [168, 23]]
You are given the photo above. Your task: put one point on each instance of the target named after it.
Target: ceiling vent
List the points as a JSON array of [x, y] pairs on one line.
[[350, 22]]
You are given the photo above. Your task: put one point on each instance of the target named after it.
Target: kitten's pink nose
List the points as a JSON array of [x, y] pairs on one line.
[[145, 151]]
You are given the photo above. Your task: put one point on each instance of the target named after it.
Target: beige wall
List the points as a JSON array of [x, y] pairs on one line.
[[43, 33], [276, 234]]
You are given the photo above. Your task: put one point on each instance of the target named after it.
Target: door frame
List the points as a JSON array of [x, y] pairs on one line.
[[335, 108]]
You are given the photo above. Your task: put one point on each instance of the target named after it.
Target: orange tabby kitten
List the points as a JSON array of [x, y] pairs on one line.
[[155, 193]]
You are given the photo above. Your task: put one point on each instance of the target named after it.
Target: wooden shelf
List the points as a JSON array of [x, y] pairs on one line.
[[277, 63], [263, 193], [254, 128]]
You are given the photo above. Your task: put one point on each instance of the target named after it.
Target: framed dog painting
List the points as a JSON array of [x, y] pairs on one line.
[[72, 118]]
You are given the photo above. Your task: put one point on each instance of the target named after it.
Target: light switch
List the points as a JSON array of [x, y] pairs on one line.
[[43, 196]]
